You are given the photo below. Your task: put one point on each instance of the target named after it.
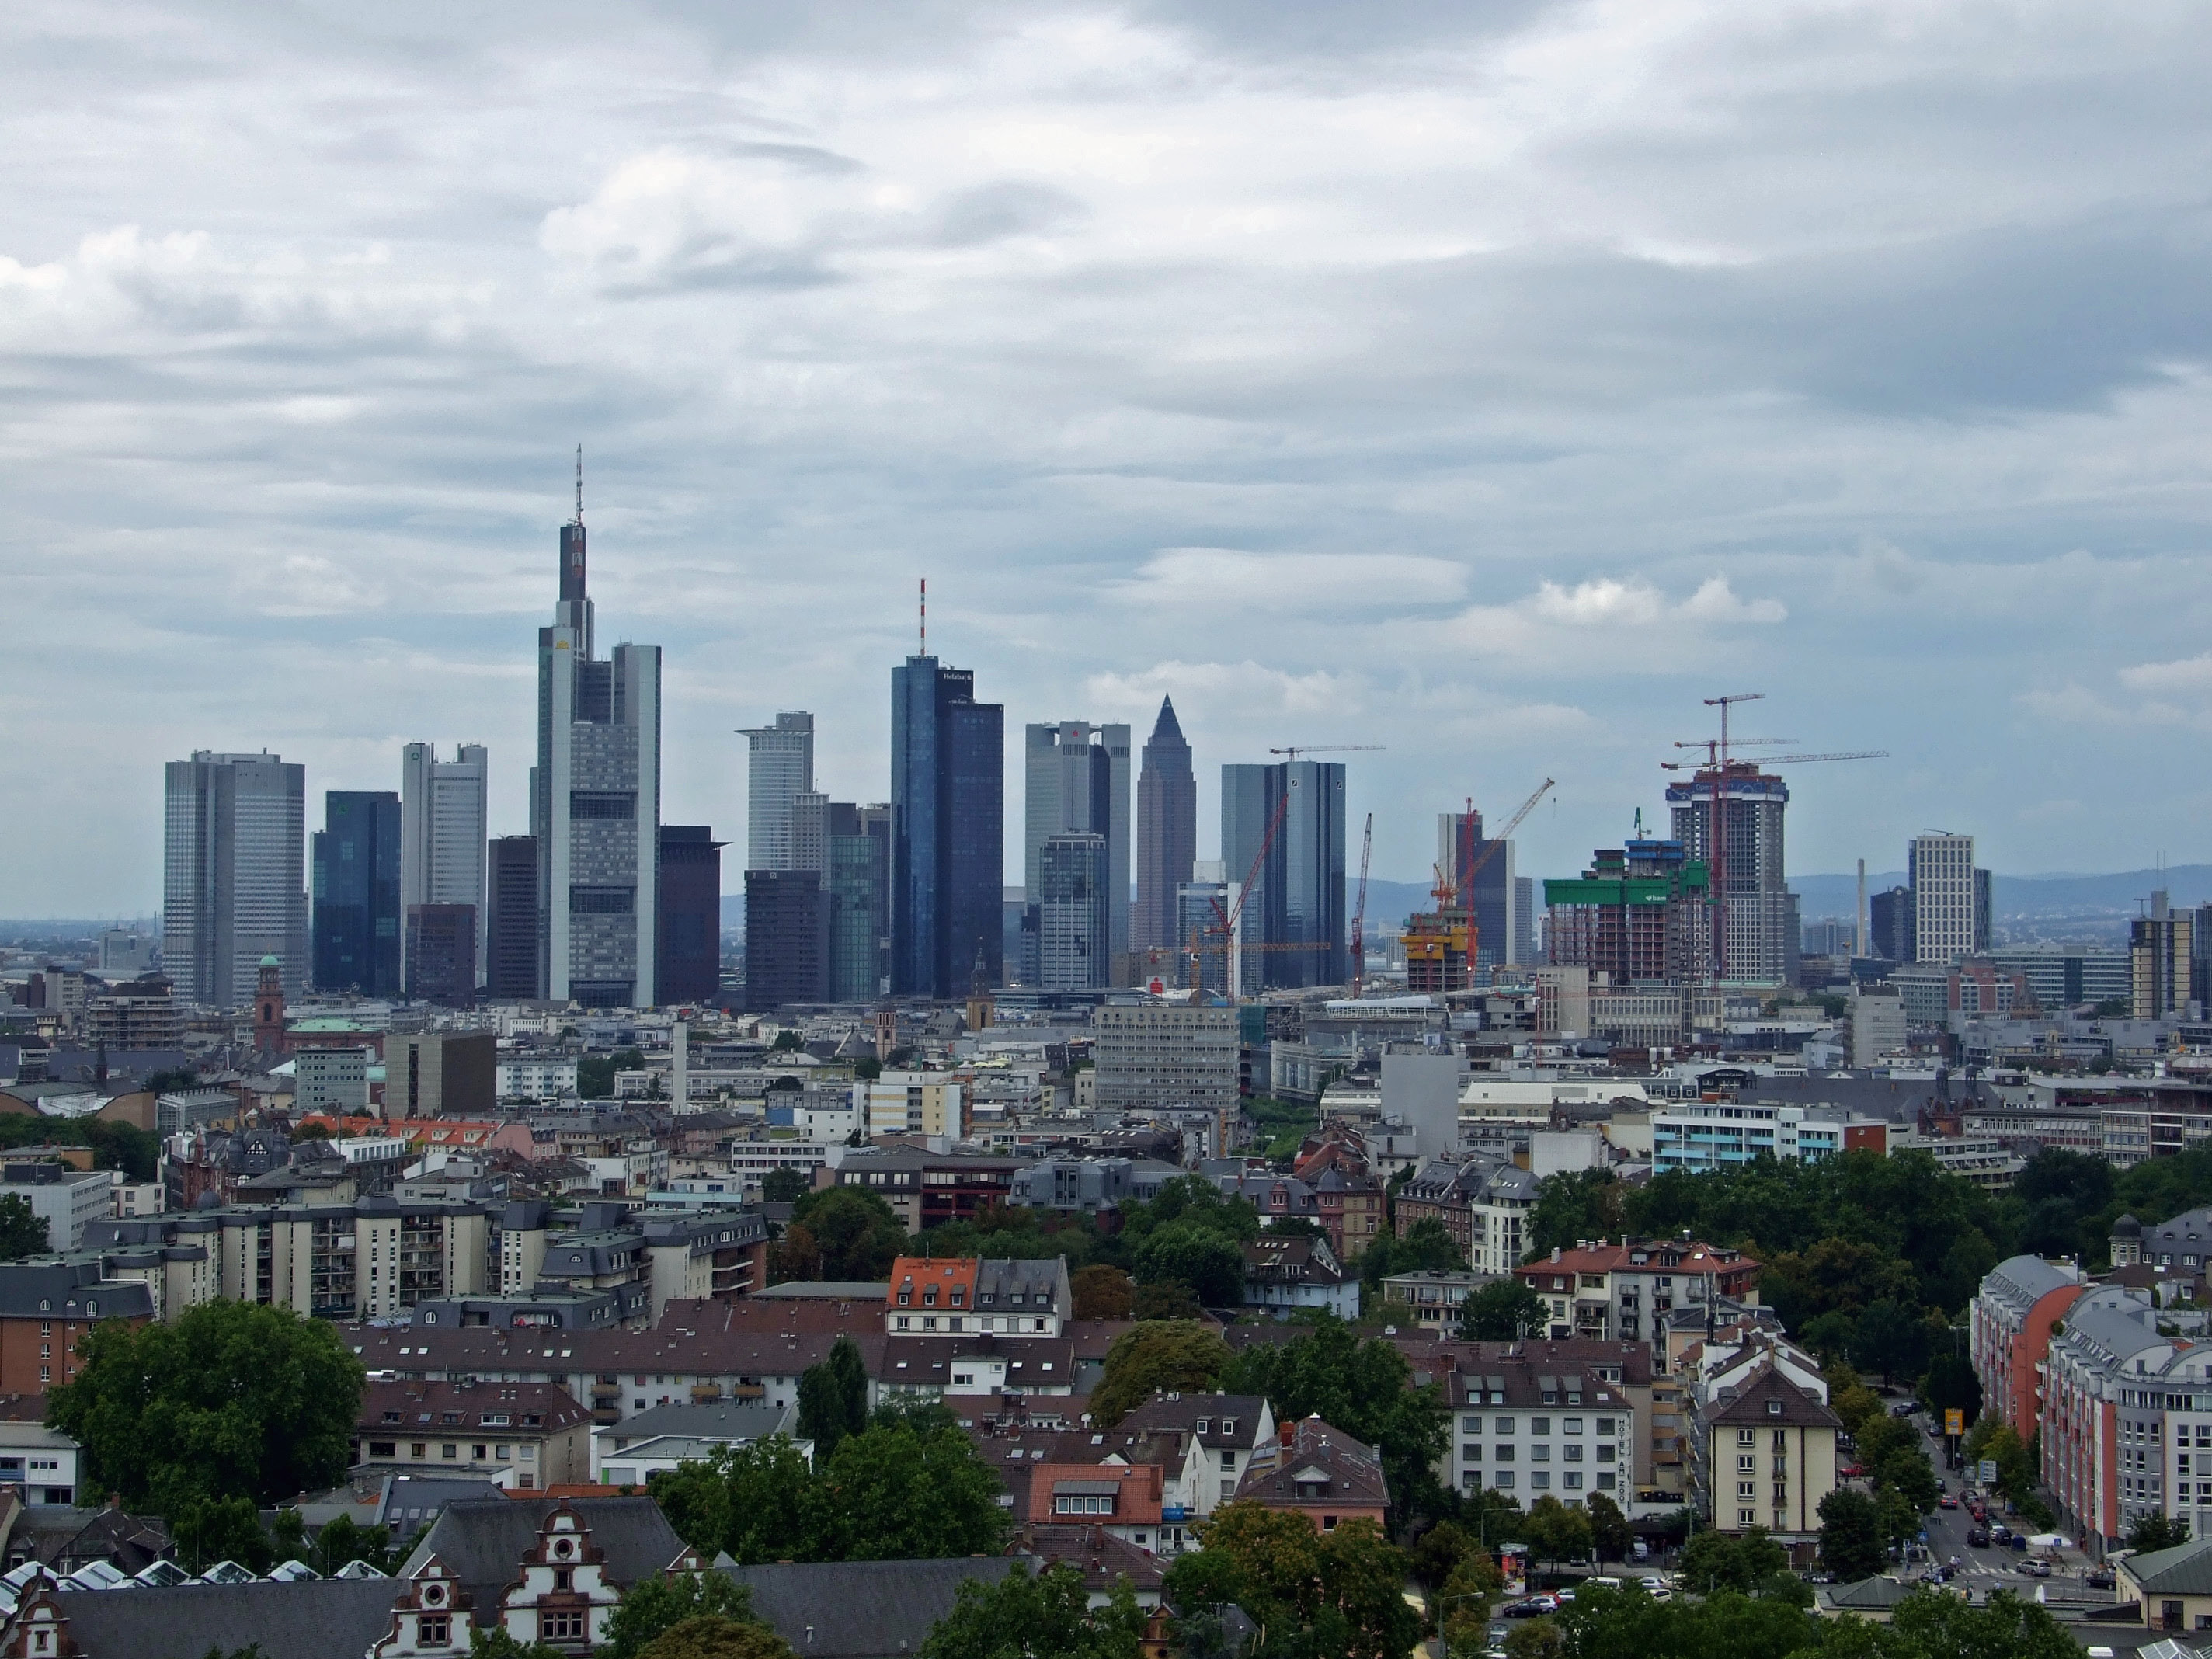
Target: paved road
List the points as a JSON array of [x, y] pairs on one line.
[[1985, 1570]]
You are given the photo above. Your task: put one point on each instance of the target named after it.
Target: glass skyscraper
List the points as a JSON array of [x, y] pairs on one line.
[[1295, 902], [356, 893], [1167, 834], [948, 843]]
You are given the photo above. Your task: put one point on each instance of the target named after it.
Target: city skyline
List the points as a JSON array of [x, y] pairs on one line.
[[1264, 372]]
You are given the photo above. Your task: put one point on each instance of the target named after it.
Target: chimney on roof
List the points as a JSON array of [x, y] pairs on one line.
[[1556, 1253]]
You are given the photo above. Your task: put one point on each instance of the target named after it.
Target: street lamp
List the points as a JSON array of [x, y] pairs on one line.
[[1444, 1630]]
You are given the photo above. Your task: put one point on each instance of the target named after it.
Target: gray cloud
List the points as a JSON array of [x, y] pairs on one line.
[[1486, 382]]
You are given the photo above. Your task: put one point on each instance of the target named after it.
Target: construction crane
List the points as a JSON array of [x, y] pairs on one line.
[[1489, 847], [1359, 913], [1327, 749], [1719, 757]]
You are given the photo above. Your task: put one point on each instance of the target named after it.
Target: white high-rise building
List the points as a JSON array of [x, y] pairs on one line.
[[779, 770], [441, 832], [1948, 902], [234, 884], [595, 803]]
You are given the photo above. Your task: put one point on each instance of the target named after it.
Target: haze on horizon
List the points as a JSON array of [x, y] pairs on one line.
[[1488, 382]]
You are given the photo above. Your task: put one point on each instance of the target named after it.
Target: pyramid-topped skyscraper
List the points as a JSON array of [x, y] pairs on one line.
[[1167, 831]]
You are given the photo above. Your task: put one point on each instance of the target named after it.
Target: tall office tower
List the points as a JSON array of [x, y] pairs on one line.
[[2160, 948], [1944, 898], [1638, 912], [1524, 920], [1167, 833], [1889, 925], [856, 873], [787, 939], [1077, 782], [1984, 911], [356, 876], [691, 913], [595, 803], [442, 834], [233, 841], [809, 830], [510, 920], [948, 844], [441, 954], [1072, 905], [1200, 952], [1493, 893], [1297, 900], [1756, 935], [2200, 956], [779, 769]]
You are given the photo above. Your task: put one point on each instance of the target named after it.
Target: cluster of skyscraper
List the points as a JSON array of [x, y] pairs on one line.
[[601, 903], [845, 903]]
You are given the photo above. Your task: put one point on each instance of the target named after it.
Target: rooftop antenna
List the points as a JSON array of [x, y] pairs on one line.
[[925, 616], [579, 484]]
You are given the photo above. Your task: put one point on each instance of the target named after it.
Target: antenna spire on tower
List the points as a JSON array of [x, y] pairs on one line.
[[925, 616], [579, 484]]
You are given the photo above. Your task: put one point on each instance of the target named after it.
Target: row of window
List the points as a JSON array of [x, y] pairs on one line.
[[1569, 1453], [1536, 1425], [1539, 1480]]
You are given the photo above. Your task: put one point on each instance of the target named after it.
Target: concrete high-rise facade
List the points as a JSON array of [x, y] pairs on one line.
[[232, 887], [1199, 957], [355, 872], [1949, 908], [2159, 953], [691, 913], [787, 939], [1491, 895], [443, 831], [1076, 778], [595, 804], [779, 769], [1167, 833], [1756, 932], [441, 954], [1297, 897], [948, 847], [511, 918], [1072, 905]]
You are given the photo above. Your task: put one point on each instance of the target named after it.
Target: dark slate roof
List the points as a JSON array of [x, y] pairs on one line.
[[70, 1290], [1354, 1478], [316, 1618], [862, 1609], [484, 1541], [1753, 1402], [1183, 1412]]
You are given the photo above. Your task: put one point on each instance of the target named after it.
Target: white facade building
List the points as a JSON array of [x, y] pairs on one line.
[[1943, 907], [779, 769], [441, 832], [1703, 1135]]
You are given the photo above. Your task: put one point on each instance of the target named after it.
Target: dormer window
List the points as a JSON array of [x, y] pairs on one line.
[[1228, 1425], [906, 1298], [959, 1295], [1774, 1408], [1202, 1423], [929, 1297]]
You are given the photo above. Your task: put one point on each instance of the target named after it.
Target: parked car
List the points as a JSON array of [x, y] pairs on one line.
[[1850, 1472], [2101, 1578], [1978, 1538], [1656, 1589], [1947, 1502], [2035, 1569]]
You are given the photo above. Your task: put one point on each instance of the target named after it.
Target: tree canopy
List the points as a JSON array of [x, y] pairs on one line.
[[1501, 1311], [1178, 1354], [659, 1602], [833, 1397], [23, 1231], [234, 1399], [907, 1486], [839, 1232], [1340, 1592], [1366, 1389]]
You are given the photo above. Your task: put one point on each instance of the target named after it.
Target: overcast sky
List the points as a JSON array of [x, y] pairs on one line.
[[1487, 382]]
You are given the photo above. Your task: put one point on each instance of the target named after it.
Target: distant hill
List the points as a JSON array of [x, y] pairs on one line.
[[2028, 898]]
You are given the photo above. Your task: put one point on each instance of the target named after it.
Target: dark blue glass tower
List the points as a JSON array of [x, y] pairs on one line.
[[948, 835], [356, 893]]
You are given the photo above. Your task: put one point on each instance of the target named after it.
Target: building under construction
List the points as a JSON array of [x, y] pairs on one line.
[[1756, 920], [1439, 944], [1640, 913]]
